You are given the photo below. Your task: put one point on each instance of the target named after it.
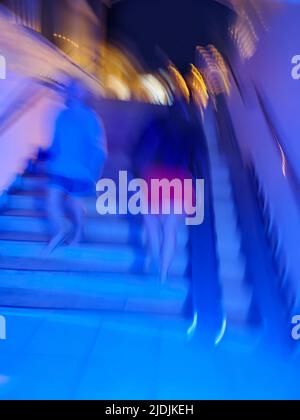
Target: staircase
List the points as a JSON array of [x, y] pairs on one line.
[[108, 271]]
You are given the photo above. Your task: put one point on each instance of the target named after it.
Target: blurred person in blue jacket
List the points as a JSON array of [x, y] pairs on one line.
[[76, 160]]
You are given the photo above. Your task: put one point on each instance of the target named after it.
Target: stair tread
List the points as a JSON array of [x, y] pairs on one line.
[[78, 281], [92, 291], [107, 229], [26, 193], [41, 214], [100, 258], [36, 237], [44, 238], [56, 300]]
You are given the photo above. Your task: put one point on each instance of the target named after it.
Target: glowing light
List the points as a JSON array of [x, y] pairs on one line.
[[222, 332], [284, 161], [193, 327], [179, 82], [198, 87], [249, 23], [155, 89], [119, 88], [214, 70], [2, 68], [29, 56], [68, 40]]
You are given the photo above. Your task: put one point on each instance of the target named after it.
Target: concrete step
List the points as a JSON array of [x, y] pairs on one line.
[[220, 173], [92, 291], [222, 192], [107, 229], [39, 213], [229, 247], [237, 296], [36, 208], [37, 201], [231, 264], [101, 258], [225, 212], [40, 183], [34, 182], [233, 268], [230, 255], [36, 174], [237, 301], [227, 229], [216, 159], [40, 238]]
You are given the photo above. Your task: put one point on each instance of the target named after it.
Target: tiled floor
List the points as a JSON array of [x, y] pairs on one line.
[[51, 355]]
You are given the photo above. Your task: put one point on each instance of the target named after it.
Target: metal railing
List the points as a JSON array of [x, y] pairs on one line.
[[205, 287], [270, 225], [261, 269]]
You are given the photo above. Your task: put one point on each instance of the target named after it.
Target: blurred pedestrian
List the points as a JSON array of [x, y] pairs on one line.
[[76, 160], [165, 152]]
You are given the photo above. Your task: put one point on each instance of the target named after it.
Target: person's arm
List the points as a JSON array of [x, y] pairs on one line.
[[55, 145], [99, 150], [103, 139]]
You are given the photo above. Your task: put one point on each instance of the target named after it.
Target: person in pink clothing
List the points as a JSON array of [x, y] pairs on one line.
[[165, 152]]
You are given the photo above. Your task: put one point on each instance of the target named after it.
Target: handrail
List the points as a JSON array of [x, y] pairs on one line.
[[287, 167], [274, 244], [259, 260], [290, 174], [18, 107], [205, 288], [21, 104]]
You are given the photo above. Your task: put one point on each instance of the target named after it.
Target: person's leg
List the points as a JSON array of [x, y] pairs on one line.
[[154, 236], [55, 208], [77, 214], [170, 226]]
